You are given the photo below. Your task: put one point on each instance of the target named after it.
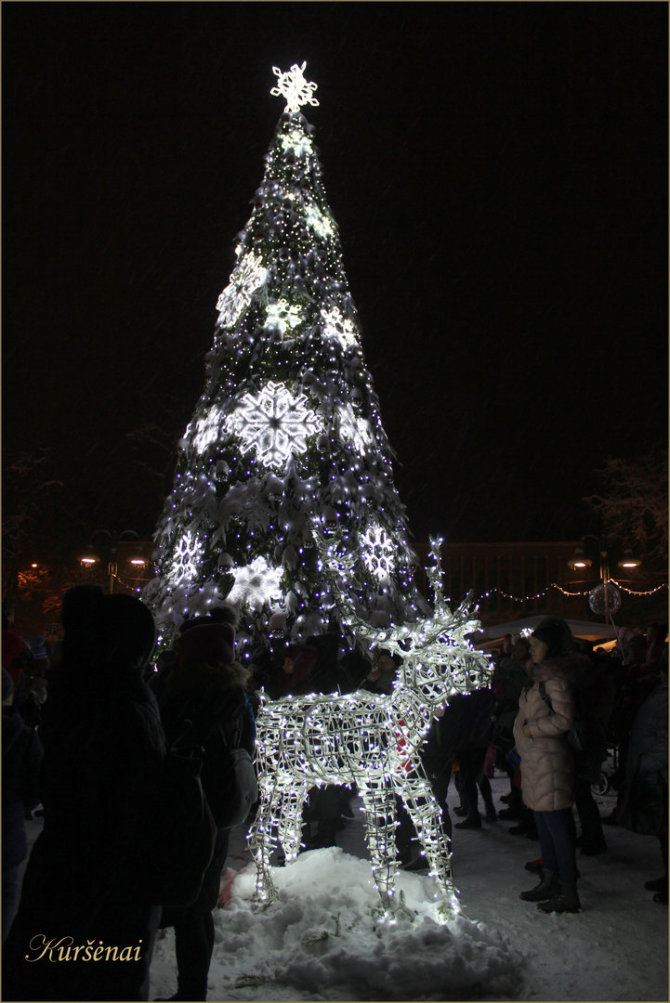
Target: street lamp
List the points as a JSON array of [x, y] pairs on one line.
[[629, 561], [579, 560], [92, 555], [604, 599]]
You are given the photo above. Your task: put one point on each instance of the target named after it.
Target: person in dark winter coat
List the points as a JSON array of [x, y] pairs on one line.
[[470, 745], [547, 762], [594, 692], [508, 680], [208, 688], [644, 805], [295, 676], [459, 734], [86, 921], [380, 675], [17, 658], [21, 761]]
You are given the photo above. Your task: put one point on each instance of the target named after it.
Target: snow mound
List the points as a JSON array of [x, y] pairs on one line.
[[323, 940]]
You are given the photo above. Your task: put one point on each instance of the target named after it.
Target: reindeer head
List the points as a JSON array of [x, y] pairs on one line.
[[438, 660]]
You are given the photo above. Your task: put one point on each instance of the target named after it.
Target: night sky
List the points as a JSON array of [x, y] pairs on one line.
[[498, 173]]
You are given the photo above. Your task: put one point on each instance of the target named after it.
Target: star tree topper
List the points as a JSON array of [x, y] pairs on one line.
[[293, 86]]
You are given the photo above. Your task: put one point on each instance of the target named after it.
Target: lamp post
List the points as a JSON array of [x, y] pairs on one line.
[[92, 556], [607, 555]]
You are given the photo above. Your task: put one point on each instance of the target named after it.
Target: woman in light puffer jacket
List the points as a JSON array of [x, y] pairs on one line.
[[547, 763]]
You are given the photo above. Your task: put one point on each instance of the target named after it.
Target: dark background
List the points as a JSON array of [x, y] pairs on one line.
[[498, 172]]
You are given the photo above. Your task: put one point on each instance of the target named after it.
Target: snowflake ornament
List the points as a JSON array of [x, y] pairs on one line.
[[275, 423], [337, 327], [207, 430], [256, 584], [355, 430], [378, 552], [293, 86], [297, 141], [249, 275], [317, 221], [282, 315], [185, 559]]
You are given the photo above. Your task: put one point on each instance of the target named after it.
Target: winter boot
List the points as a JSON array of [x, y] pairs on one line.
[[470, 822], [656, 884], [535, 866], [566, 901], [548, 888], [509, 814], [491, 813]]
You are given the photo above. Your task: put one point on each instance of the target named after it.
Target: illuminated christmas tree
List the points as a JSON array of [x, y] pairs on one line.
[[287, 431]]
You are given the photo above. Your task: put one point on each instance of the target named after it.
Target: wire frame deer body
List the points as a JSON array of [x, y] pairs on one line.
[[370, 740]]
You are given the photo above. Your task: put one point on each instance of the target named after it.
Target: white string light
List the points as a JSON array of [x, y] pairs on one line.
[[248, 275], [275, 423], [370, 740], [634, 592], [565, 592], [293, 86], [336, 327], [257, 584], [185, 558], [282, 315]]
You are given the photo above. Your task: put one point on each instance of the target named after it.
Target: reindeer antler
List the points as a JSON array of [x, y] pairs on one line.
[[430, 639]]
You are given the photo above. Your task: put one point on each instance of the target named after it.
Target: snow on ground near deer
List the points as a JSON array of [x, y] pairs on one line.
[[321, 940]]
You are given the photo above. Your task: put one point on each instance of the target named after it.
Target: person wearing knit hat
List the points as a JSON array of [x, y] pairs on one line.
[[556, 634], [545, 716], [211, 643], [207, 687]]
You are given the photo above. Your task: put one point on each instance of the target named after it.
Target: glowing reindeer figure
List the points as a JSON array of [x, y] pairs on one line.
[[372, 740]]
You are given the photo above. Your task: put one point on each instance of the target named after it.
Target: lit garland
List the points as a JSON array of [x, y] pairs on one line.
[[370, 740], [634, 592], [565, 592], [131, 586]]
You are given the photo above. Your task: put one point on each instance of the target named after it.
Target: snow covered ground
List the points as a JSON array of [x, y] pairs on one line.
[[320, 941]]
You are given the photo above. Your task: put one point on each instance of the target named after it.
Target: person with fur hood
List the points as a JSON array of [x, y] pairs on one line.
[[546, 712], [205, 694]]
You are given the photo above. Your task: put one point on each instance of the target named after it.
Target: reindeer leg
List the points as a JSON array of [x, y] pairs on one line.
[[426, 816], [262, 842], [379, 804], [290, 821]]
